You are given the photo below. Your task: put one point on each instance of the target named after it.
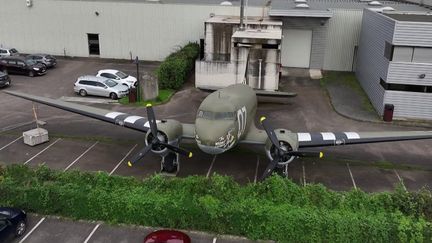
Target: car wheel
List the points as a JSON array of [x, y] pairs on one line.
[[31, 74], [83, 92], [20, 228], [113, 96], [5, 71]]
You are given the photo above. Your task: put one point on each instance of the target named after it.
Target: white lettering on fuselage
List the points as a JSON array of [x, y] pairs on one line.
[[241, 119]]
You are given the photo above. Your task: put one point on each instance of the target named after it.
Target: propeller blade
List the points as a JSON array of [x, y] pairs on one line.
[[139, 155], [270, 132], [152, 120], [177, 150], [270, 168], [306, 154]]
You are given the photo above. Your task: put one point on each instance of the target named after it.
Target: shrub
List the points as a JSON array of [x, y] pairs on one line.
[[175, 69], [276, 209]]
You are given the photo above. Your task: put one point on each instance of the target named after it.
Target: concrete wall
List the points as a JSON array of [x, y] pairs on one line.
[[148, 30], [372, 65]]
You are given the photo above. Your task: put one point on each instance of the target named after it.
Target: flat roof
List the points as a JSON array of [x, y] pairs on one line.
[[228, 19], [270, 34], [411, 17]]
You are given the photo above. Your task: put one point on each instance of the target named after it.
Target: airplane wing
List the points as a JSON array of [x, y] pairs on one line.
[[321, 139], [138, 123]]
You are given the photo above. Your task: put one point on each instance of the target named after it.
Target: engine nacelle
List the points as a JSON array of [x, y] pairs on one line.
[[169, 131], [287, 140]]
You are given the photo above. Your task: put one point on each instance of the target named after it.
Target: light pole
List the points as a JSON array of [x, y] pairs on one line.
[[138, 87]]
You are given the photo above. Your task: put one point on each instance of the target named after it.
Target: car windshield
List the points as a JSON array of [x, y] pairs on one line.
[[209, 115], [13, 50], [30, 62], [122, 75], [110, 83]]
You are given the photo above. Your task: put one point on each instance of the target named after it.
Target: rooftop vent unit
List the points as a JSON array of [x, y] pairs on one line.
[[300, 1], [387, 8], [302, 5], [226, 3], [375, 3]]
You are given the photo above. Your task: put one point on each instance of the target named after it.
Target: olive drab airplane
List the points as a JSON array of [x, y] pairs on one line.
[[224, 119]]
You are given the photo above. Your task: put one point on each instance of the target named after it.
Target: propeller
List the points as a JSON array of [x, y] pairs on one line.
[[281, 150], [155, 140]]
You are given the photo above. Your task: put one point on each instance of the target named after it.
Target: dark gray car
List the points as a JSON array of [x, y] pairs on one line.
[[48, 60], [4, 80]]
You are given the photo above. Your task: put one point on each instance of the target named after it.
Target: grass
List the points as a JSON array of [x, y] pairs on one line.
[[349, 80], [163, 97]]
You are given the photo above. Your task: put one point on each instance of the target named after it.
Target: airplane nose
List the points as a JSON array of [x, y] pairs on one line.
[[211, 149]]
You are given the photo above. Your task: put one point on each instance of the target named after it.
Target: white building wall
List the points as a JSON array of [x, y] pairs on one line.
[[342, 37], [148, 30]]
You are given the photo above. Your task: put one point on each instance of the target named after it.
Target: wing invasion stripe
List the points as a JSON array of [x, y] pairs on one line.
[[113, 115], [328, 136], [132, 119], [304, 137], [352, 135]]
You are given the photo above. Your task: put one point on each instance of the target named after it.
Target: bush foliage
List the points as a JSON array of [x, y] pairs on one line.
[[276, 209], [174, 70]]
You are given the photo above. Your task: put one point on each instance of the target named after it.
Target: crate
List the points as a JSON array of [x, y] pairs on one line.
[[35, 136]]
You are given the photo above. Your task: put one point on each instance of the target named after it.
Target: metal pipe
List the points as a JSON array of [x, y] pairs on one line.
[[259, 74], [241, 14]]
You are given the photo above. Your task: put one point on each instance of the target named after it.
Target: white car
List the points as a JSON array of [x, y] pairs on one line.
[[118, 76], [5, 51]]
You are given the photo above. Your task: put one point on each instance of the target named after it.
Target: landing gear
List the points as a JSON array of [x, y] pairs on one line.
[[170, 164]]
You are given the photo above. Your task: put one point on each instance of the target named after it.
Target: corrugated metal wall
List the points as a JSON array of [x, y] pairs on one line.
[[150, 31], [410, 104], [371, 63], [408, 73], [343, 35], [413, 34], [319, 33]]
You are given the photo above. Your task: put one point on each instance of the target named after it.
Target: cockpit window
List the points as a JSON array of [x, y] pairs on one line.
[[216, 115]]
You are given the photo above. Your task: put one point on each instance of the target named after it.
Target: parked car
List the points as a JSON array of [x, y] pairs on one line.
[[119, 76], [5, 51], [13, 223], [167, 236], [21, 65], [4, 80], [48, 60], [100, 86]]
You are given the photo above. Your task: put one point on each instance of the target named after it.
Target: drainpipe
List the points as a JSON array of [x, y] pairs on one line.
[[241, 14], [259, 74]]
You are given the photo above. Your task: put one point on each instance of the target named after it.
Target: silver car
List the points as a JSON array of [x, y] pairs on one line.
[[99, 86]]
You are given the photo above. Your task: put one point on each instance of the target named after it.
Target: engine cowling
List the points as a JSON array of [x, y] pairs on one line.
[[287, 140], [169, 131]]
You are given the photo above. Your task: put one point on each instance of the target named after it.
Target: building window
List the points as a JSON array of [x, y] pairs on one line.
[[405, 87], [408, 53]]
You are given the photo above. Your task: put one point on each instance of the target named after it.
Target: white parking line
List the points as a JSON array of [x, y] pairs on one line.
[[121, 161], [31, 231], [7, 145], [79, 157], [91, 233], [304, 174], [214, 240], [352, 177], [256, 169], [400, 179], [58, 139], [211, 166]]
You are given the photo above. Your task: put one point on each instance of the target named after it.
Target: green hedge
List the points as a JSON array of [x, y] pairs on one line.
[[276, 209], [174, 70]]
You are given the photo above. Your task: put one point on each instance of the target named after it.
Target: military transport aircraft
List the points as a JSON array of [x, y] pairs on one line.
[[224, 119]]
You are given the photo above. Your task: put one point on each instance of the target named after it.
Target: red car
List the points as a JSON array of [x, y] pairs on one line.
[[167, 236]]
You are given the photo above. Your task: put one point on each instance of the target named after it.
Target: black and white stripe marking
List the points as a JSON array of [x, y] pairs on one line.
[[326, 138], [132, 121]]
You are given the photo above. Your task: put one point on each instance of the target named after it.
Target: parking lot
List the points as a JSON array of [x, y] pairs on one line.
[[81, 143]]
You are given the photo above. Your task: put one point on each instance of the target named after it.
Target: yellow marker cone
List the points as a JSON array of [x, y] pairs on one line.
[[148, 105], [262, 119], [190, 155], [129, 164], [321, 155]]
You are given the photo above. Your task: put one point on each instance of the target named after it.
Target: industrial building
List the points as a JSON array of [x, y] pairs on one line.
[[395, 62], [312, 34]]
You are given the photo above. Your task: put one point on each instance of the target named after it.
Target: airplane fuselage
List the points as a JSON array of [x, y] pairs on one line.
[[224, 117]]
